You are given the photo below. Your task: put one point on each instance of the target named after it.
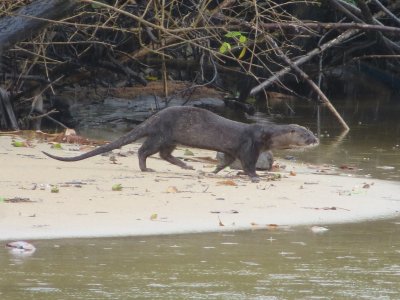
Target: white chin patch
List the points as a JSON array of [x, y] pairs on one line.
[[300, 147]]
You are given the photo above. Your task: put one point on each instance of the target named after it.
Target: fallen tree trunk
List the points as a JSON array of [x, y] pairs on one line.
[[30, 19], [20, 26]]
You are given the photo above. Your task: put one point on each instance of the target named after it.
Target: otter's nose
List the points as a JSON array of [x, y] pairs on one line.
[[313, 140]]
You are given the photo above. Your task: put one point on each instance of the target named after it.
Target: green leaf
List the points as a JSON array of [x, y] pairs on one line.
[[57, 146], [276, 176], [232, 34], [242, 39], [117, 187], [54, 189], [19, 144], [242, 53], [225, 47]]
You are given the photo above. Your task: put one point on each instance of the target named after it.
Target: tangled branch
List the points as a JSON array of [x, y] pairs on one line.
[[140, 41]]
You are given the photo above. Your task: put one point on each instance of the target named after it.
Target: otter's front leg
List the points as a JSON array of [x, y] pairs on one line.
[[248, 157], [253, 176], [249, 168]]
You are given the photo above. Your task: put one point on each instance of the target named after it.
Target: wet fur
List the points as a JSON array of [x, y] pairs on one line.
[[199, 128]]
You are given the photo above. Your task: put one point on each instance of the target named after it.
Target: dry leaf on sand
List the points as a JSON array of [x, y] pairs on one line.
[[172, 190], [227, 182]]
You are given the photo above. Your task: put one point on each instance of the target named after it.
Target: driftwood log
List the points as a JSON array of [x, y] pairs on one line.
[[30, 19], [21, 25]]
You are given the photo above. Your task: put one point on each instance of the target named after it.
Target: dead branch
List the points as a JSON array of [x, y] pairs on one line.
[[367, 17], [53, 111], [387, 11], [143, 40], [311, 83], [306, 26], [276, 76]]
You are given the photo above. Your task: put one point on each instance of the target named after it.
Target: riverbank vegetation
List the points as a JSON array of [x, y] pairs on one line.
[[243, 49]]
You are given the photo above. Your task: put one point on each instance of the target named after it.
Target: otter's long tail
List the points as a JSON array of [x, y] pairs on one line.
[[133, 135]]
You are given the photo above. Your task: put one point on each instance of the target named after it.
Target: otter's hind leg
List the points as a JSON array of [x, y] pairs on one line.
[[226, 161], [149, 147], [166, 154]]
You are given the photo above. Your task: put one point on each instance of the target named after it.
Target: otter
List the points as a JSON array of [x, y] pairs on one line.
[[200, 128]]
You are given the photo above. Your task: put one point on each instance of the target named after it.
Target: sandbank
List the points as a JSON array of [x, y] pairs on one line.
[[171, 200]]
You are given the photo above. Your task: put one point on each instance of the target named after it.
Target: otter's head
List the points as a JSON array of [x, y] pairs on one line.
[[292, 136]]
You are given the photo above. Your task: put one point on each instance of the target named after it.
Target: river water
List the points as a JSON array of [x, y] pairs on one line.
[[349, 261], [358, 261]]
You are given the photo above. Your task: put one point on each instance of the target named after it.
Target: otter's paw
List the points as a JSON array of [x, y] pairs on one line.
[[255, 179], [216, 170], [148, 170]]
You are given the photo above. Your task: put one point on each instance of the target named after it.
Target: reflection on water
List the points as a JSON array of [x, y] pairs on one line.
[[360, 261]]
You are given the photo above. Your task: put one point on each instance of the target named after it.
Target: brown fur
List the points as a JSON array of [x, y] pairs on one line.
[[199, 128]]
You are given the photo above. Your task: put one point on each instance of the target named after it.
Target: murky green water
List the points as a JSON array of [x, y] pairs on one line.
[[352, 261], [370, 148], [359, 261]]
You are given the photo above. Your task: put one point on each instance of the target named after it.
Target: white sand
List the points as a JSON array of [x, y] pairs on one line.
[[170, 200]]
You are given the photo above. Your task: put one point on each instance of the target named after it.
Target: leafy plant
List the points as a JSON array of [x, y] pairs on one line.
[[240, 41]]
